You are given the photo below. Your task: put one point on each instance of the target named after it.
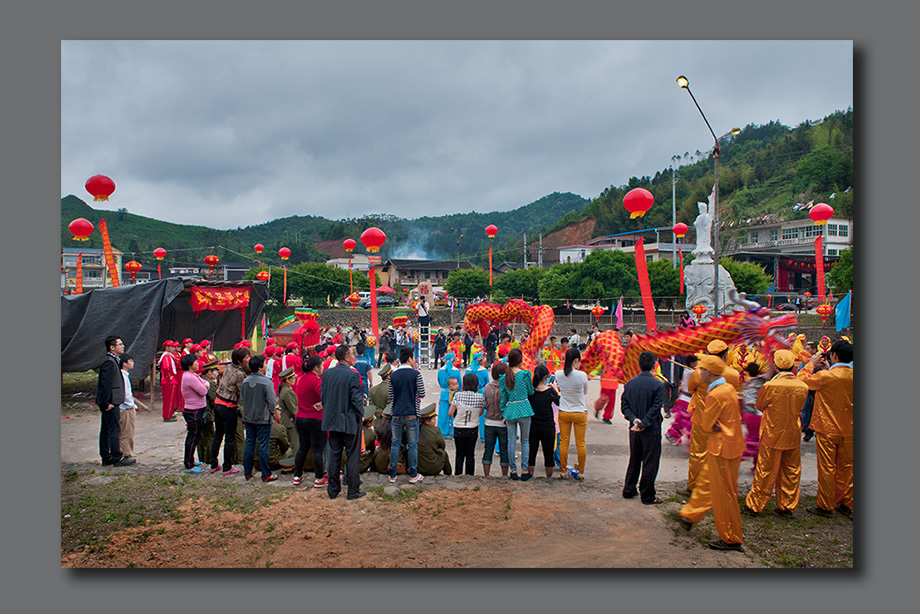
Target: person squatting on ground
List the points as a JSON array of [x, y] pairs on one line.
[[641, 404], [465, 408]]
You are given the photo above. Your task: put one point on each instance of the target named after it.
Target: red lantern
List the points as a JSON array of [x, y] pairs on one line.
[[263, 275], [100, 186], [354, 299], [824, 310], [491, 231], [258, 247], [699, 310], [81, 229], [373, 238], [160, 253], [349, 245], [133, 267], [285, 253], [680, 230], [638, 201], [212, 261], [598, 311], [820, 213]]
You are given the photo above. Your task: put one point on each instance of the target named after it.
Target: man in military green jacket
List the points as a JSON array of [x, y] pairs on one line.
[[432, 455], [378, 396], [287, 404], [278, 448]]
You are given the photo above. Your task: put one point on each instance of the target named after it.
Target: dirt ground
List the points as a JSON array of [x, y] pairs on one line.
[[154, 515]]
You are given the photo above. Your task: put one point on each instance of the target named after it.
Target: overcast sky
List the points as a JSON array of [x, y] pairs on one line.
[[237, 133]]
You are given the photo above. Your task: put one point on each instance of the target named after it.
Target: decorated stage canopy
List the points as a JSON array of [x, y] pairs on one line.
[[145, 315]]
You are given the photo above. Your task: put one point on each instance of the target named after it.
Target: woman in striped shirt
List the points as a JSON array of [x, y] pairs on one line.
[[465, 408], [516, 387]]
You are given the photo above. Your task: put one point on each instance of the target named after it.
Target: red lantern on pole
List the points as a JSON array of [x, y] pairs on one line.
[[820, 213], [354, 299], [807, 300], [263, 276], [597, 312], [373, 238], [212, 261], [81, 229], [699, 310], [638, 201], [285, 253], [159, 253], [680, 231], [133, 267], [491, 231], [100, 187], [824, 310], [349, 245], [259, 247]]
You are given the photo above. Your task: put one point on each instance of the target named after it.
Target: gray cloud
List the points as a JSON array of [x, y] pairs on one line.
[[234, 133]]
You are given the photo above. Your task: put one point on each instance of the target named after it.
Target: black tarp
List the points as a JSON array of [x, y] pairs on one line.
[[144, 316]]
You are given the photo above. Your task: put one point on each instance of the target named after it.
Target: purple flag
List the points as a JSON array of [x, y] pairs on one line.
[[619, 312]]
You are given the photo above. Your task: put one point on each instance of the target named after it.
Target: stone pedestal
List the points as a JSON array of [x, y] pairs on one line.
[[699, 280]]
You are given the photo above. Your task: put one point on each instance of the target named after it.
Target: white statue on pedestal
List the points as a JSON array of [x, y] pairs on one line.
[[703, 254]]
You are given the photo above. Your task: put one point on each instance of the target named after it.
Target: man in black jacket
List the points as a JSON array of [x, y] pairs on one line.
[[641, 404], [343, 411], [110, 393]]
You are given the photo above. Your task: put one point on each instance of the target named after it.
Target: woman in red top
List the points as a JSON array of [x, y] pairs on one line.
[[309, 421]]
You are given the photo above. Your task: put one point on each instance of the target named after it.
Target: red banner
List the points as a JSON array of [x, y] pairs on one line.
[[819, 265], [109, 256], [644, 286], [490, 266], [284, 297], [78, 289], [219, 299]]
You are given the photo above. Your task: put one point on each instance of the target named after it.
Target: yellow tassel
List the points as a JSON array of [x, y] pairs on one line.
[[636, 214]]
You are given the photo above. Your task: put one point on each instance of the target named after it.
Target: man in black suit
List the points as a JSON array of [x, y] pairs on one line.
[[641, 404], [343, 411], [110, 393]]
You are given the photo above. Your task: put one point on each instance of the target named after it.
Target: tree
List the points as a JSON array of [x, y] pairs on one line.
[[663, 279], [467, 283], [518, 283], [841, 276], [748, 276]]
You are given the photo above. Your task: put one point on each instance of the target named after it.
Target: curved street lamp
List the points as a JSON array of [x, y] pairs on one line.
[[684, 83]]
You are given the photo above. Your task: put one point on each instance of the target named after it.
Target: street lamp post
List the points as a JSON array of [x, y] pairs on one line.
[[459, 236], [684, 83]]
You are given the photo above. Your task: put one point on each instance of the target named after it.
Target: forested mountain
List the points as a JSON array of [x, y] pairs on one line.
[[432, 237], [764, 170]]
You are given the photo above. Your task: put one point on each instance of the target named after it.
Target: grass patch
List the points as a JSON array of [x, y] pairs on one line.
[[401, 496], [802, 541]]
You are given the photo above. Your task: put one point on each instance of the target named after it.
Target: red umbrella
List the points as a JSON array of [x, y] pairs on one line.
[[385, 288]]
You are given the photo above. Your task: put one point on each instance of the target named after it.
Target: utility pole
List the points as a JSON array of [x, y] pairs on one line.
[[525, 250], [674, 209], [540, 253]]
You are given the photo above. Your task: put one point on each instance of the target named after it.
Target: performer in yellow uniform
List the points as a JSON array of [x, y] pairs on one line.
[[698, 393], [717, 484], [832, 420], [779, 462]]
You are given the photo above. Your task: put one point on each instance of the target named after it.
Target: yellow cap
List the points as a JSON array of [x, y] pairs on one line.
[[783, 359], [713, 364], [716, 346]]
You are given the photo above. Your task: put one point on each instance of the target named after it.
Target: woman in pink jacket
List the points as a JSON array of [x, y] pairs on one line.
[[195, 394]]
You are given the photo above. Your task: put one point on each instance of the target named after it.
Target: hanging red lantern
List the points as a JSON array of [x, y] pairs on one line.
[[699, 310], [597, 312], [824, 310], [100, 186], [81, 229], [680, 230], [258, 247], [638, 201], [354, 299], [212, 261], [133, 267], [820, 213], [159, 253], [491, 231], [285, 253], [373, 238], [263, 275], [349, 245]]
